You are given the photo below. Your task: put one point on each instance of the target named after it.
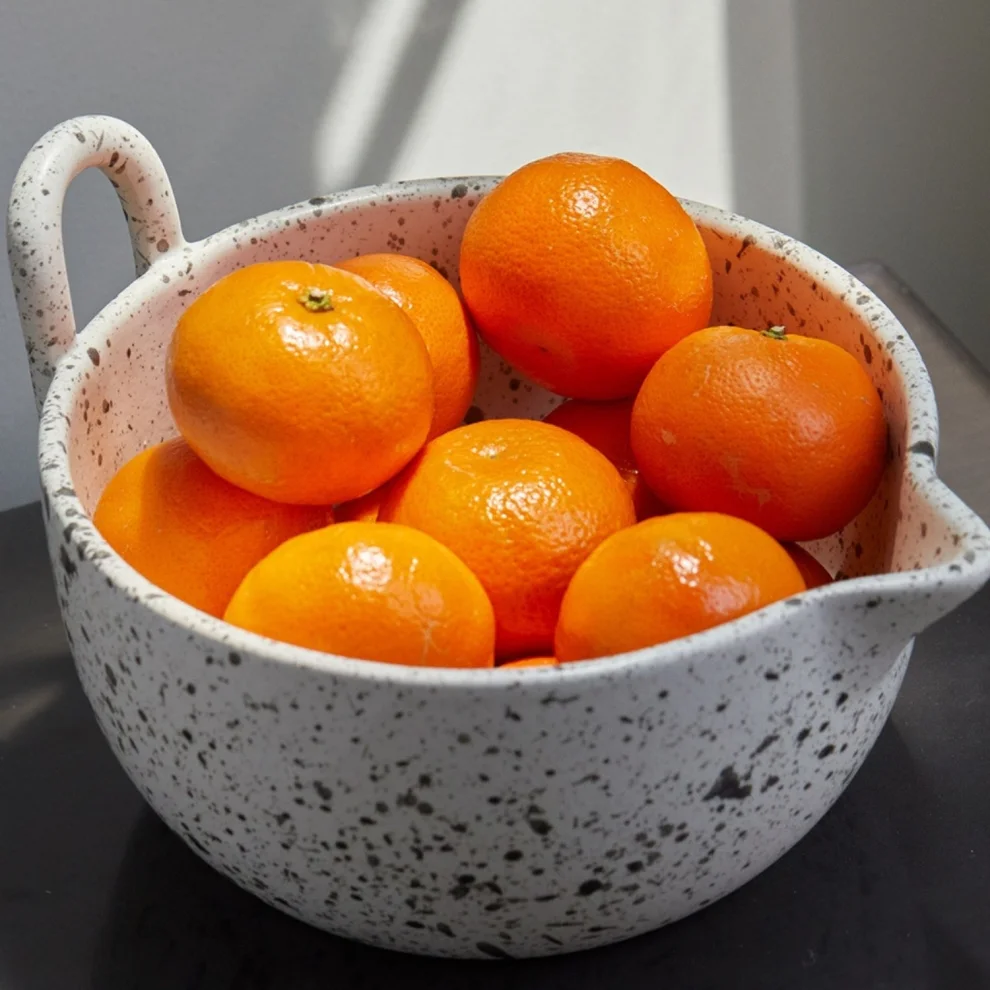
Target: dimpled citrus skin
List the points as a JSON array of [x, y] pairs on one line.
[[437, 312], [605, 425], [581, 271], [670, 577], [370, 591], [300, 382], [522, 503], [189, 531], [814, 573], [787, 433]]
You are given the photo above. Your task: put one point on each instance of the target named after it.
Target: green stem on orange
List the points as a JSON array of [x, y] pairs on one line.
[[317, 300], [776, 333]]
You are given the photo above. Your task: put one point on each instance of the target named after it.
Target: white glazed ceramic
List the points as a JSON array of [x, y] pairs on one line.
[[472, 813]]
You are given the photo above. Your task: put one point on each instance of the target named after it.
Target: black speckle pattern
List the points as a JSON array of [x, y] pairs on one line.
[[41, 284], [729, 787], [489, 814]]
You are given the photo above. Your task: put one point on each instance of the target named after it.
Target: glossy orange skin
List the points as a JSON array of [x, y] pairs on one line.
[[189, 531], [363, 509], [814, 574], [437, 312], [522, 503], [581, 271], [531, 662], [789, 434], [605, 425], [295, 403], [670, 577], [370, 591]]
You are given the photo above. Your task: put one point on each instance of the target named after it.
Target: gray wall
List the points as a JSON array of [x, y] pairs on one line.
[[225, 87], [895, 145], [764, 106], [862, 126]]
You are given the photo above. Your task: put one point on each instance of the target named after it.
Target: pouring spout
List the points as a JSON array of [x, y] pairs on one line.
[[940, 558]]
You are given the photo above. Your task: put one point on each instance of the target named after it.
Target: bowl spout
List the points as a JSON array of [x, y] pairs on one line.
[[941, 558]]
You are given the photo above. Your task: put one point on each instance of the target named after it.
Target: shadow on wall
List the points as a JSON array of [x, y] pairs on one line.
[[232, 94], [387, 72], [228, 92]]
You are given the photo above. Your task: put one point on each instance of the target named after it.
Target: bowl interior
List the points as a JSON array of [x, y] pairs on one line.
[[114, 393]]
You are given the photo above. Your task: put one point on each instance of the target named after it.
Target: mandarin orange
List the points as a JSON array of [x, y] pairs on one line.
[[300, 382], [812, 571], [783, 430], [372, 591], [670, 577], [363, 509], [581, 271], [531, 662], [522, 503], [437, 312], [189, 531], [605, 425]]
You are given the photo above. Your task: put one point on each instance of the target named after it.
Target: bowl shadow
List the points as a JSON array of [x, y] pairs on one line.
[[840, 909]]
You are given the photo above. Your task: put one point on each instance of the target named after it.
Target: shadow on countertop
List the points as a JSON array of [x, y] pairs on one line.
[[839, 911]]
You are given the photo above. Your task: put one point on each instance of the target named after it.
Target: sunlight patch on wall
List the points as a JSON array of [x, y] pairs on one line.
[[641, 79]]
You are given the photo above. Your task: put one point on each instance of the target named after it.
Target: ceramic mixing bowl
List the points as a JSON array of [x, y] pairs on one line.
[[462, 812]]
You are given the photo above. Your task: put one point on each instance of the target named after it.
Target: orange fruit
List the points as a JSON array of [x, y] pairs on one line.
[[437, 312], [522, 503], [669, 577], [371, 591], [605, 425], [363, 509], [531, 662], [300, 382], [785, 431], [581, 271], [189, 531], [814, 574]]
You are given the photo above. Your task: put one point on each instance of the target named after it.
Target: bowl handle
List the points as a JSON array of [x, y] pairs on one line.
[[34, 225]]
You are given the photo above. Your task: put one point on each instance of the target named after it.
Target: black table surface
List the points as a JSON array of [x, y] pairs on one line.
[[890, 890]]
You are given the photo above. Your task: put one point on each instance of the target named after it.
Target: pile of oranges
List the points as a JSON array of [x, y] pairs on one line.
[[323, 491]]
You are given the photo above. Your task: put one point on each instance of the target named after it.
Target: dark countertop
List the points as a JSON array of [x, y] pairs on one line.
[[890, 890]]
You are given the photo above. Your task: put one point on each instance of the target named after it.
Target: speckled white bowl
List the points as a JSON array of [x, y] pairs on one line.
[[474, 813]]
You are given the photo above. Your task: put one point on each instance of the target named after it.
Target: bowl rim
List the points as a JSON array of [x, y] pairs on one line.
[[921, 445]]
